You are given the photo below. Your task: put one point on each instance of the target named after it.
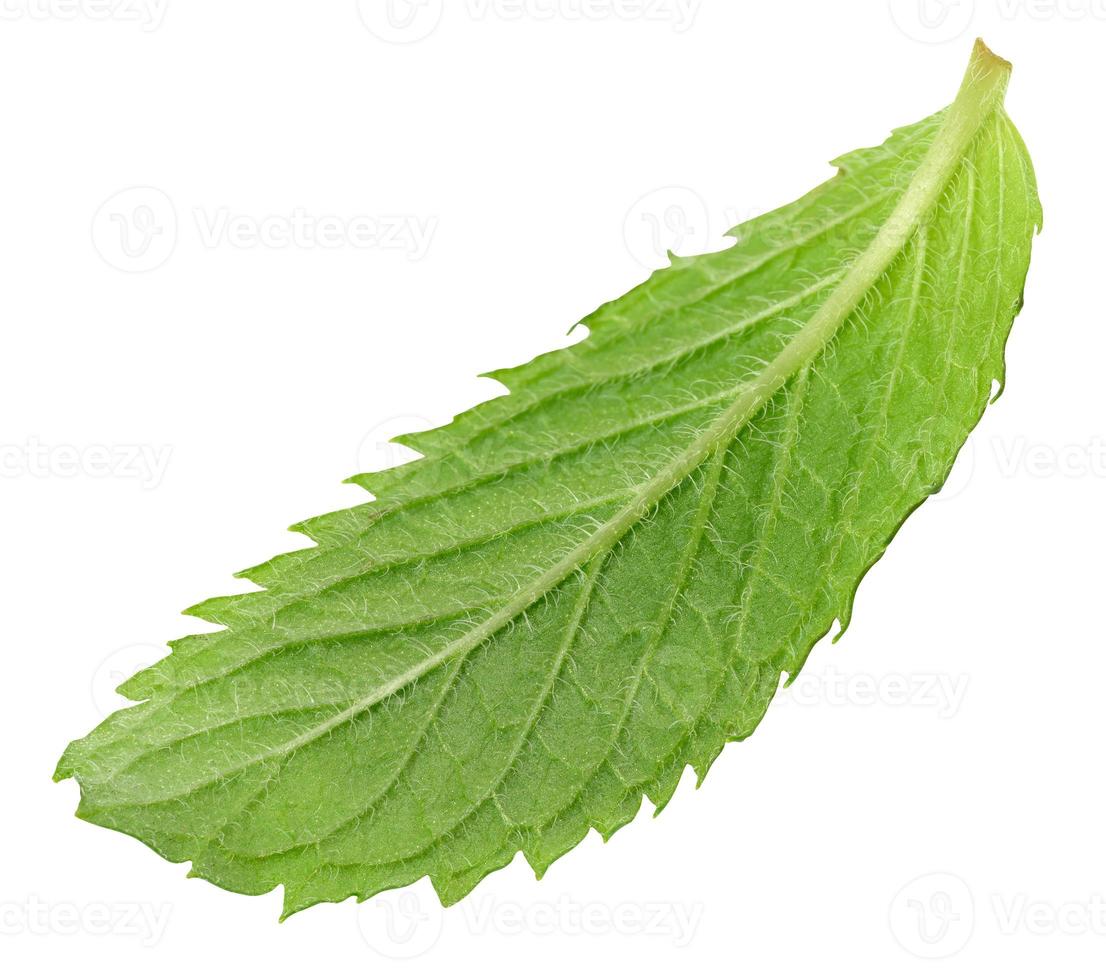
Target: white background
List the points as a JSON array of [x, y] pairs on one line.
[[932, 786]]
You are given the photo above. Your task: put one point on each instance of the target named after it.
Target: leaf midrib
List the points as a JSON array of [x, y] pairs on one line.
[[974, 104]]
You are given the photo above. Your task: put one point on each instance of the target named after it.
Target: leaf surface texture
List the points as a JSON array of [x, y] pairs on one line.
[[591, 583]]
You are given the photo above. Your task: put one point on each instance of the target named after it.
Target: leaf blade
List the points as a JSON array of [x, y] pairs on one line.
[[501, 652]]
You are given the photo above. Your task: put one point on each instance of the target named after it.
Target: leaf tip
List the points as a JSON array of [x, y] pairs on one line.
[[986, 77], [984, 57]]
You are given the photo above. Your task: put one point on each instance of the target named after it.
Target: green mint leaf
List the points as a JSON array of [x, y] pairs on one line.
[[598, 580]]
